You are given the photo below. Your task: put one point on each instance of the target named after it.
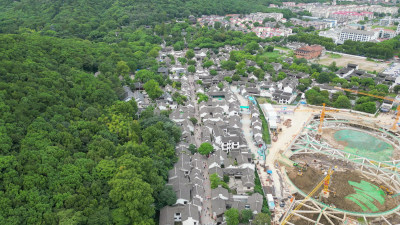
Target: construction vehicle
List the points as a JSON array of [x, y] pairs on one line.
[[396, 120], [395, 195], [326, 190], [322, 117], [321, 120], [274, 136], [324, 182], [288, 123], [300, 173], [386, 190], [301, 167]]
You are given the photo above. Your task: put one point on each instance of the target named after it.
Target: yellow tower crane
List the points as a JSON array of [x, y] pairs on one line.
[[321, 119], [324, 182], [322, 115], [380, 97]]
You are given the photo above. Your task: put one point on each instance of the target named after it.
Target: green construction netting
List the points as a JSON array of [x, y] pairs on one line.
[[364, 144], [366, 194], [357, 202]]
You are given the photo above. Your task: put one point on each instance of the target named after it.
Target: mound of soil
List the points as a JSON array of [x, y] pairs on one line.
[[339, 184]]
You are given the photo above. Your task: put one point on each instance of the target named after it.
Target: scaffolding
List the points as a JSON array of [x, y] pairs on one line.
[[386, 172]]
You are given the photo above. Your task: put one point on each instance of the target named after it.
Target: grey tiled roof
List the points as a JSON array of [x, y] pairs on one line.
[[218, 206], [255, 201], [192, 211], [219, 192], [167, 214], [183, 162]]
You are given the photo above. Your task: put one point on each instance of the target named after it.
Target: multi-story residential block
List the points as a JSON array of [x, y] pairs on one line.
[[350, 15], [357, 35], [388, 21], [326, 11], [289, 4], [385, 33], [246, 23], [264, 32]]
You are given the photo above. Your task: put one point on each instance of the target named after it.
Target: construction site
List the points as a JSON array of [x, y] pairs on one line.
[[338, 166]]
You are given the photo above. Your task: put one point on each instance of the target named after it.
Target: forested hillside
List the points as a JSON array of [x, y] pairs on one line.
[[71, 153], [95, 19]]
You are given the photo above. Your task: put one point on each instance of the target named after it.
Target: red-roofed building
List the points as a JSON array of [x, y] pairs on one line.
[[352, 15], [309, 52]]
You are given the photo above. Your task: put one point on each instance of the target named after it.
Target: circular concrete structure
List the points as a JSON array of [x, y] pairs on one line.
[[367, 156]]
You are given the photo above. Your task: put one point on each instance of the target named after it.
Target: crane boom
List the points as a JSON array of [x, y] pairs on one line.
[[380, 97], [367, 94], [321, 119], [323, 181], [397, 118]]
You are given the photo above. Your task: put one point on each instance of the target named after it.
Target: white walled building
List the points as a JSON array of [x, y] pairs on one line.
[[357, 35]]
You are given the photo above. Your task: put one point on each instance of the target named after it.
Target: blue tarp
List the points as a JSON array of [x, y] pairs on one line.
[[269, 171], [271, 205]]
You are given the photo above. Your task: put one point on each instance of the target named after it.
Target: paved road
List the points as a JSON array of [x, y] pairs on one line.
[[246, 126], [284, 138], [197, 131], [205, 215], [246, 123]]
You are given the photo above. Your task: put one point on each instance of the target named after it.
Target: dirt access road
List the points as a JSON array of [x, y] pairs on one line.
[[303, 113], [345, 59]]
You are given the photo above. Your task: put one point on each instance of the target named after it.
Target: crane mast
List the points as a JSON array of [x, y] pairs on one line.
[[324, 182], [394, 127]]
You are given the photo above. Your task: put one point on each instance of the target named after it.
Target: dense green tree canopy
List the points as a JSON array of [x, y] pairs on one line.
[[369, 107], [232, 216], [262, 219], [102, 19], [216, 181], [72, 153], [166, 197], [205, 148], [342, 102], [245, 216], [153, 89], [191, 69]]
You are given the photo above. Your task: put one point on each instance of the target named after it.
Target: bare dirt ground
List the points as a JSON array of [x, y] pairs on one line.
[[299, 118], [339, 182], [362, 63], [327, 135]]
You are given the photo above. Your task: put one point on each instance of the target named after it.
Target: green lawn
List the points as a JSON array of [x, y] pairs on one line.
[[390, 28], [287, 51], [272, 55], [263, 100], [283, 49], [265, 129], [334, 56]]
